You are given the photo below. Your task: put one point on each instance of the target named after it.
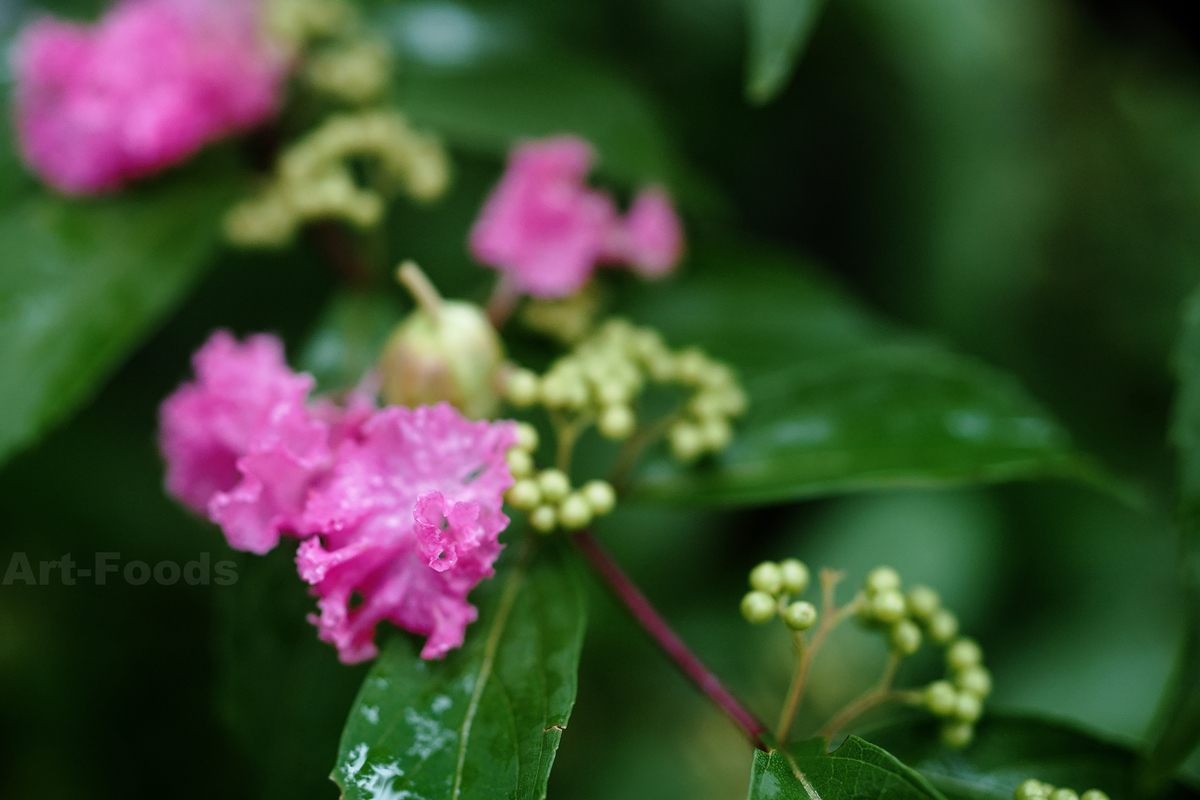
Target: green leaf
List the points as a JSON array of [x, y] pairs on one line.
[[778, 30], [1009, 750], [486, 721], [349, 337], [839, 401], [85, 281], [857, 770]]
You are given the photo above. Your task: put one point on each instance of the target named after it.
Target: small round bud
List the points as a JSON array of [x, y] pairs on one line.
[[617, 422], [906, 637], [943, 626], [758, 607], [575, 511], [800, 616], [554, 485], [1063, 794], [1093, 794], [521, 389], [888, 606], [520, 463], [554, 391], [544, 518], [923, 602], [940, 698], [967, 707], [1031, 790], [957, 734], [963, 655], [883, 579], [716, 433], [600, 496], [662, 366], [690, 365], [527, 437], [767, 577], [524, 494], [976, 681], [612, 393], [686, 441], [795, 575]]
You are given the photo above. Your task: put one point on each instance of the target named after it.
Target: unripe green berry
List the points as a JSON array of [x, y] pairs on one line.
[[923, 603], [524, 494], [686, 441], [575, 511], [616, 422], [940, 698], [554, 391], [527, 437], [800, 616], [521, 389], [883, 579], [1031, 789], [888, 606], [967, 707], [613, 393], [601, 496], [758, 607], [795, 575], [690, 365], [943, 626], [544, 518], [1093, 794], [554, 485], [957, 734], [964, 654], [716, 433], [520, 463], [767, 577], [1063, 794], [975, 680], [906, 637]]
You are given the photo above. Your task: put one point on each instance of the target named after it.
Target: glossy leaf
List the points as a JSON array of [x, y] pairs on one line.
[[857, 770], [778, 31], [84, 281], [839, 401], [1009, 750], [486, 721]]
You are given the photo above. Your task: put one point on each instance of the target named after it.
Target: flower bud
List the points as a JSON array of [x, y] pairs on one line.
[[1093, 794], [800, 616], [1031, 790], [554, 485], [883, 579], [967, 707], [616, 422], [905, 637], [923, 603], [715, 433], [527, 437], [1063, 794], [520, 463], [943, 626], [521, 388], [544, 518], [957, 734], [758, 607], [976, 681], [444, 350], [767, 577], [687, 442], [601, 496], [963, 655], [575, 512], [888, 606], [795, 575], [940, 698], [524, 494]]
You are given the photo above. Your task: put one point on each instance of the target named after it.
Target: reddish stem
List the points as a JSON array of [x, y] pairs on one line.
[[672, 645]]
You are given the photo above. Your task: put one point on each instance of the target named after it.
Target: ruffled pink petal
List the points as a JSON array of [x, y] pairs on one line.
[[650, 237]]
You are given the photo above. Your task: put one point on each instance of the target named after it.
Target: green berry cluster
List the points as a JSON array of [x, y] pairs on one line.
[[547, 495], [1037, 790], [772, 587], [604, 375]]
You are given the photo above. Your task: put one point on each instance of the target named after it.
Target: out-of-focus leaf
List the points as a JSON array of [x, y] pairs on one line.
[[84, 281], [857, 770], [778, 31], [1009, 750], [349, 337], [486, 721], [839, 401]]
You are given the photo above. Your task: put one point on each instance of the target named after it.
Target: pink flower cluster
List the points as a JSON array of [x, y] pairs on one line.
[[146, 87], [399, 509], [546, 229]]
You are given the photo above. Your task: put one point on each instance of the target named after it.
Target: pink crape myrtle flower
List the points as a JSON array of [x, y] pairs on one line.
[[409, 522], [144, 88], [546, 229]]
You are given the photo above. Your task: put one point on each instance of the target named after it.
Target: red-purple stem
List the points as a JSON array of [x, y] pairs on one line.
[[672, 645]]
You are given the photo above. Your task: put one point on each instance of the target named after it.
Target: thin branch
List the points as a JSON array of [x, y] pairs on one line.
[[880, 693]]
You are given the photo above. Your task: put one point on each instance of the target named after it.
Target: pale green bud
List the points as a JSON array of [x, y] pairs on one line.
[[882, 579], [554, 391], [888, 606], [521, 388], [795, 575], [613, 393], [800, 616], [690, 365], [575, 511], [940, 698], [716, 433], [923, 603], [975, 680], [905, 637], [1063, 794], [758, 607], [601, 496], [957, 734], [1093, 794], [524, 494], [544, 518], [963, 655], [554, 485], [687, 442], [520, 463], [767, 577], [943, 626], [1032, 790], [616, 422], [967, 707], [527, 437]]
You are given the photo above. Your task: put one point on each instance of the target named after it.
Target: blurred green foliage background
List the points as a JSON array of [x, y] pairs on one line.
[[1019, 178]]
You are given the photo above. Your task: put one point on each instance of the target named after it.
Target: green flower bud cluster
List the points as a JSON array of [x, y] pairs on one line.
[[356, 71], [1037, 790], [607, 371], [313, 181], [295, 23], [772, 587], [548, 495]]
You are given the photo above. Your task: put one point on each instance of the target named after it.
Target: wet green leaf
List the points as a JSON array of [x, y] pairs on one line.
[[778, 31], [484, 722], [857, 770]]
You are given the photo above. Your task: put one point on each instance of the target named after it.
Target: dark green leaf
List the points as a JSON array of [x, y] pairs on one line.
[[1009, 750], [84, 281], [778, 31], [349, 337], [857, 770], [839, 401], [486, 721]]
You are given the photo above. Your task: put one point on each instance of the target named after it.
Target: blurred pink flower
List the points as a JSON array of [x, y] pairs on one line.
[[546, 230], [409, 522], [144, 88]]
